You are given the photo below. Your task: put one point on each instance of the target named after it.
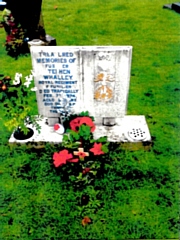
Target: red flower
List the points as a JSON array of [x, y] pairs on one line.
[[14, 31], [56, 127], [81, 154], [97, 149], [73, 160], [11, 24], [88, 121], [86, 170], [77, 122], [9, 38], [62, 157], [86, 220]]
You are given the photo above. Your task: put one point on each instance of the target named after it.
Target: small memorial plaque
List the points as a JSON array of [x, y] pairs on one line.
[[57, 78]]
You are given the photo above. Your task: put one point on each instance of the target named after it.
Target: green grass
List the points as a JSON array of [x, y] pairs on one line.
[[138, 192]]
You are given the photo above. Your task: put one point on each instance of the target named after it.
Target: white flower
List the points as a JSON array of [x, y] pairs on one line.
[[18, 75], [17, 79], [29, 78], [34, 89], [27, 84]]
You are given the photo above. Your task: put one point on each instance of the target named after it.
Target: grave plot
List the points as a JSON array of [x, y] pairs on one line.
[[70, 80]]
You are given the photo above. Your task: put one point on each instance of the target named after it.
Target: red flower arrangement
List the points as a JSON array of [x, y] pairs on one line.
[[79, 142], [89, 155]]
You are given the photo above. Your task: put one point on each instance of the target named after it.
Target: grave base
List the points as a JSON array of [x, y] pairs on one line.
[[122, 132], [127, 129]]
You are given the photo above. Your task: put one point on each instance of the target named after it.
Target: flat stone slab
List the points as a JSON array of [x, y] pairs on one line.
[[128, 129], [47, 134]]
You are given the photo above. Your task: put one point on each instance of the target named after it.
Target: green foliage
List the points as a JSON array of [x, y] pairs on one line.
[[16, 102], [84, 131]]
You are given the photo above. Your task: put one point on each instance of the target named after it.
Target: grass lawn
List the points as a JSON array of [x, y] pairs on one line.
[[137, 195]]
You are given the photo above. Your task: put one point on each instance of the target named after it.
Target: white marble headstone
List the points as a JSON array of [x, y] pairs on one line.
[[82, 78]]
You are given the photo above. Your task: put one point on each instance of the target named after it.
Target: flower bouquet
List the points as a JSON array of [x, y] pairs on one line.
[[80, 154]]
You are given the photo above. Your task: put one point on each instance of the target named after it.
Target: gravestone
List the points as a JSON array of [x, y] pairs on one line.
[[94, 79], [103, 77], [28, 14]]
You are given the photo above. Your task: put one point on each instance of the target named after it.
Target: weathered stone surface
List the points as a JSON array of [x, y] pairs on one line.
[[106, 76], [95, 79], [123, 130]]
